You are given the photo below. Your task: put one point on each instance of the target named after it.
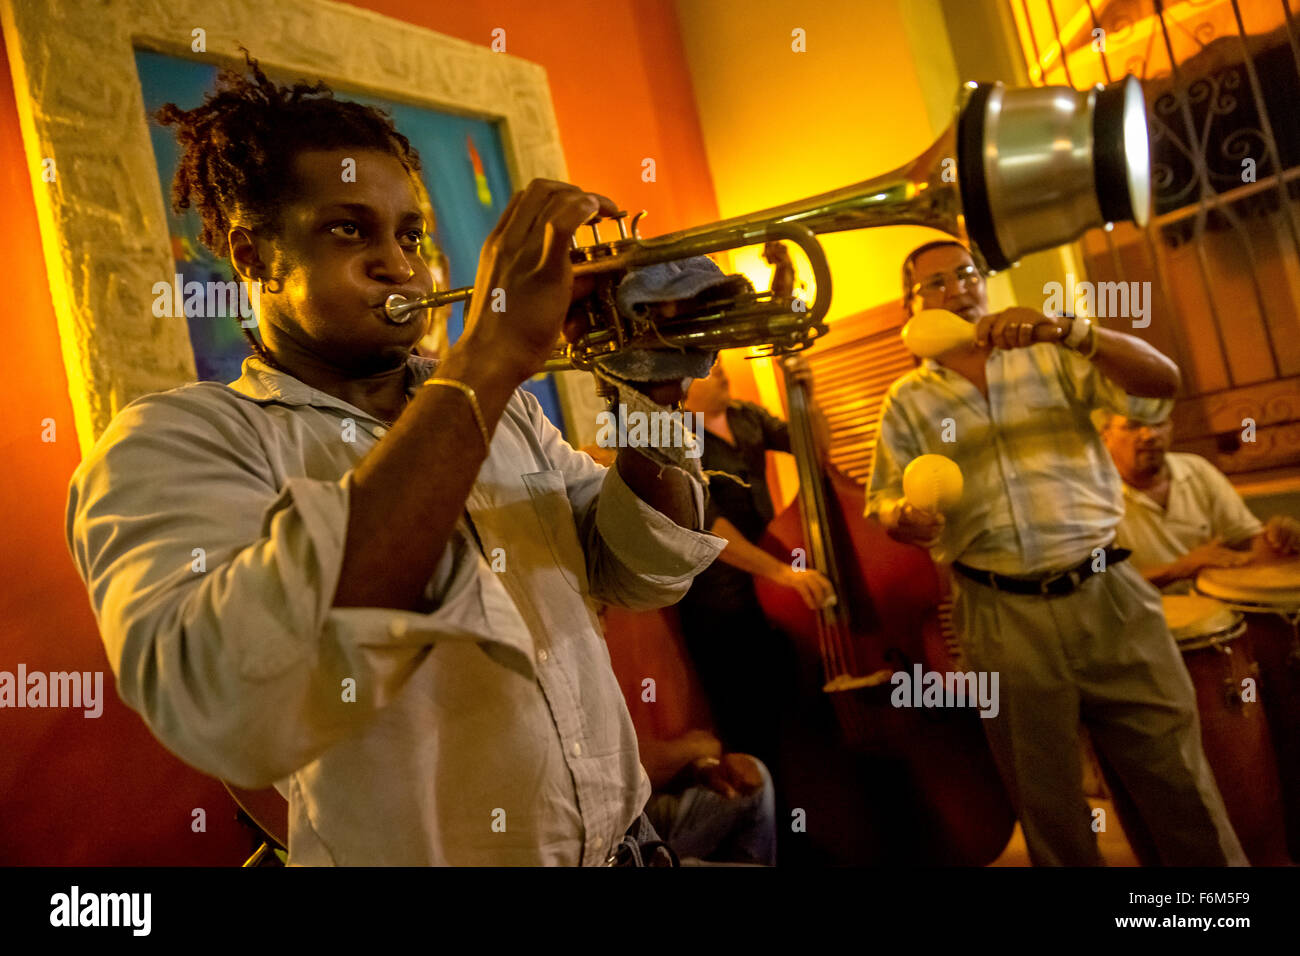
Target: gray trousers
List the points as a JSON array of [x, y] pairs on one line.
[[1102, 656]]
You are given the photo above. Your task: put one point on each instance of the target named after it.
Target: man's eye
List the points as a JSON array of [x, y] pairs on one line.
[[415, 235], [345, 225]]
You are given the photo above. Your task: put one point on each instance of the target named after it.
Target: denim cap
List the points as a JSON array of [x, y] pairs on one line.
[[664, 282]]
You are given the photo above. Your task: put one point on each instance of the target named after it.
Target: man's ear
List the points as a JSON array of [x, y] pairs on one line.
[[244, 256]]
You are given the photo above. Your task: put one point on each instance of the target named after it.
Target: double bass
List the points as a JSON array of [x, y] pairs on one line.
[[889, 784]]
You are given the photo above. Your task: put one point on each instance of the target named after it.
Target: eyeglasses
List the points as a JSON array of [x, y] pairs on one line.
[[967, 276]]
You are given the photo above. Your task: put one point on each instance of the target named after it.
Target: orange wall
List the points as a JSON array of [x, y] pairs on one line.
[[77, 790]]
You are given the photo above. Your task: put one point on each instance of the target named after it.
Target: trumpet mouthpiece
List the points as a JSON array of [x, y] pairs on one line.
[[399, 309]]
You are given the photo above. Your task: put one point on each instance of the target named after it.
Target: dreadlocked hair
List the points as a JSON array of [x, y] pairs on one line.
[[238, 150]]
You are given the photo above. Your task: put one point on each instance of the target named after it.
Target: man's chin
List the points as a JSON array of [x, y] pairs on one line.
[[1149, 461]]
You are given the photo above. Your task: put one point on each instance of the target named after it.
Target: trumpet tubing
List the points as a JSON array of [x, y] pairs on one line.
[[1017, 171]]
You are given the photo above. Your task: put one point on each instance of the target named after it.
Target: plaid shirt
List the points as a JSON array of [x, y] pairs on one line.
[[1040, 490]]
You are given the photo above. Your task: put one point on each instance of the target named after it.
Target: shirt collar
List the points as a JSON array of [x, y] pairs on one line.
[[264, 384], [932, 365]]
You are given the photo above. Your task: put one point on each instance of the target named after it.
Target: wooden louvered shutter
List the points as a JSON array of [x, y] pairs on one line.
[[852, 369]]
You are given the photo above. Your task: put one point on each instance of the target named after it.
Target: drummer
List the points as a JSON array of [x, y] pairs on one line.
[[1181, 514]]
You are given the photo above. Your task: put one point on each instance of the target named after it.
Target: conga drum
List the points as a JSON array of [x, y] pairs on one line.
[[1234, 731], [1268, 595]]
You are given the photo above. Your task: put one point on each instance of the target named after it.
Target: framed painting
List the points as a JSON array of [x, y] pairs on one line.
[[89, 77]]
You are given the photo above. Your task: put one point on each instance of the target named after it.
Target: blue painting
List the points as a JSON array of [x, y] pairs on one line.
[[464, 176]]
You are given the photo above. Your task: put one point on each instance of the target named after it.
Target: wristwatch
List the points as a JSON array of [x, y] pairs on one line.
[[1080, 326]]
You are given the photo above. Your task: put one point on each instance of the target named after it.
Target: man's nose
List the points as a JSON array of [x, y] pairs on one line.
[[391, 263]]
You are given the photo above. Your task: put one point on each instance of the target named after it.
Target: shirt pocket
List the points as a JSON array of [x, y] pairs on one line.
[[550, 500], [1044, 425]]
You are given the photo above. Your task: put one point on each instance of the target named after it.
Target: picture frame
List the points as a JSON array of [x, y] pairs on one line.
[[100, 201]]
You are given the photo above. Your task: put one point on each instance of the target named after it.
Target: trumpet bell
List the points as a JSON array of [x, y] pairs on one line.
[[1034, 168], [1040, 166]]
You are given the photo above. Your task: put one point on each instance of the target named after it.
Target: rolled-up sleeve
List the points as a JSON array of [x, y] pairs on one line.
[[637, 557], [894, 448], [213, 590]]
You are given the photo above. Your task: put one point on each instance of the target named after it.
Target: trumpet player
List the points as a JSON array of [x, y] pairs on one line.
[[360, 575], [1042, 597]]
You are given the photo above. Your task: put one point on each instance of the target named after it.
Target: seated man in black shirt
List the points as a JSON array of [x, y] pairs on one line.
[[740, 658]]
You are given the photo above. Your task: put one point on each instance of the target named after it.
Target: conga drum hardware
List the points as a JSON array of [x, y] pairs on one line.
[[1217, 652]]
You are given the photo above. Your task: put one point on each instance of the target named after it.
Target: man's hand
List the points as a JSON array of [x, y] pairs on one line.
[[1281, 536], [910, 525], [732, 776], [1212, 554], [525, 267], [700, 745], [1018, 327], [813, 586]]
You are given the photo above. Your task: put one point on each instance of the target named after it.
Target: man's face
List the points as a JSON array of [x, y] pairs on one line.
[[1137, 448], [345, 247], [711, 394], [946, 278]]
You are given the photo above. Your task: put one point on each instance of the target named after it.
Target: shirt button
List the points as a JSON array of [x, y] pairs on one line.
[[379, 431], [397, 627], [577, 750], [542, 656]]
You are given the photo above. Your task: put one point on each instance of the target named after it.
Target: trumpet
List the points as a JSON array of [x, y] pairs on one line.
[[1016, 171]]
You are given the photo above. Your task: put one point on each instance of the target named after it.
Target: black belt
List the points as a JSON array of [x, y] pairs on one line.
[[1062, 582], [641, 846]]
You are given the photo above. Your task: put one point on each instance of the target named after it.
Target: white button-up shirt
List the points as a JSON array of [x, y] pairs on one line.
[[1202, 505], [208, 524]]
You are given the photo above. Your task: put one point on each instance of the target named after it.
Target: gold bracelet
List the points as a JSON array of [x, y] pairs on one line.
[[473, 405]]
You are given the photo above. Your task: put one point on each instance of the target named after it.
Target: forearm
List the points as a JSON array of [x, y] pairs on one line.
[[1135, 366], [1163, 575], [667, 490], [411, 489], [740, 553]]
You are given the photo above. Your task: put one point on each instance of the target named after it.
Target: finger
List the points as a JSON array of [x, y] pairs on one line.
[[1026, 334], [998, 332], [816, 593], [983, 328], [606, 206], [563, 216], [537, 195], [806, 594], [510, 211]]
